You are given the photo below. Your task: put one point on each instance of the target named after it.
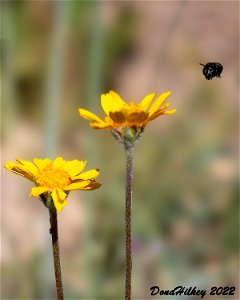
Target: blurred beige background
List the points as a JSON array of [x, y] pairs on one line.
[[58, 56]]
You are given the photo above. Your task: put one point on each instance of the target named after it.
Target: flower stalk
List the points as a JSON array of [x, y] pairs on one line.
[[128, 232], [127, 122], [53, 182], [55, 247], [129, 136]]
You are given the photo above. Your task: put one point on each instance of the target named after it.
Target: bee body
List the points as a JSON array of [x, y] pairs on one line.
[[211, 70]]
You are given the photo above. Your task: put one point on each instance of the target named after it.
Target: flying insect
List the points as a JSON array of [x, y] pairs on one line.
[[211, 70]]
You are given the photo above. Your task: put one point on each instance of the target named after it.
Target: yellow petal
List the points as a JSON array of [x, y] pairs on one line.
[[11, 166], [137, 116], [19, 170], [59, 198], [163, 107], [74, 167], [38, 190], [117, 99], [93, 185], [146, 101], [29, 166], [111, 102], [86, 114], [79, 185], [59, 163], [155, 115], [100, 126], [107, 104], [169, 112], [117, 116], [161, 112], [91, 174], [42, 163], [156, 105]]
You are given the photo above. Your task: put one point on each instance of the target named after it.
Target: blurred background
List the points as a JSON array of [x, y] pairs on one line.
[[57, 56]]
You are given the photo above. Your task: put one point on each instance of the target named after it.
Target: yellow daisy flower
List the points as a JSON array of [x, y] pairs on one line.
[[120, 114], [55, 178]]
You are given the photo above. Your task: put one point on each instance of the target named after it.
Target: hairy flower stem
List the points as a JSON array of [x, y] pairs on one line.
[[55, 246], [129, 182]]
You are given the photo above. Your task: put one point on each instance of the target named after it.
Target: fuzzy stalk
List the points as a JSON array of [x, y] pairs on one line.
[[55, 248], [129, 183]]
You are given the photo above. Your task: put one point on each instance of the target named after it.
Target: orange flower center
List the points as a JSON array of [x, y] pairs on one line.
[[53, 178]]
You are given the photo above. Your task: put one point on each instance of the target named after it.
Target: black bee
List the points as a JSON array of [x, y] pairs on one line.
[[211, 70]]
